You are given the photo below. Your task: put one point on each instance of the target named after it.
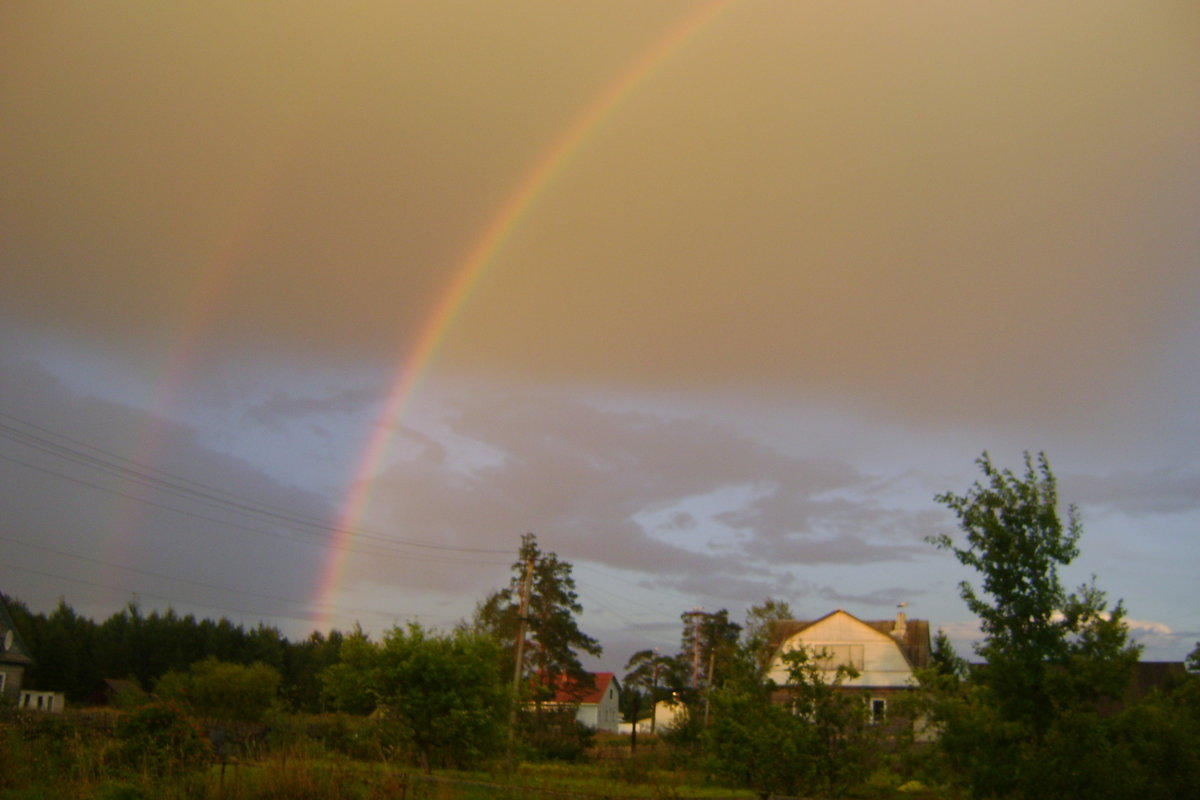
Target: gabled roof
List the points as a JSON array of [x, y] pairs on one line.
[[12, 647], [914, 643], [570, 693]]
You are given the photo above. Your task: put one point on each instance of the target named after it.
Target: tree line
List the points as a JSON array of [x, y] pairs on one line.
[[74, 654]]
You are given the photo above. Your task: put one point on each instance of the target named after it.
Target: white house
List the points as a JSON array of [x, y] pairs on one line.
[[667, 714], [885, 653], [598, 708]]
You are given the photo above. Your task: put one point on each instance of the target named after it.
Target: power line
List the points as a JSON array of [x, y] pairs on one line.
[[52, 444], [150, 477], [324, 545]]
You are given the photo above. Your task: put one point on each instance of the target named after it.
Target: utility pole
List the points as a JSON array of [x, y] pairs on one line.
[[654, 693], [698, 611], [522, 612], [712, 666]]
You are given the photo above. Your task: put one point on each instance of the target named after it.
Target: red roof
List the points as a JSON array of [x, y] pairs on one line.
[[567, 693]]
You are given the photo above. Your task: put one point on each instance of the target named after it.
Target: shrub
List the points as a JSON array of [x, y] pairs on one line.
[[159, 738]]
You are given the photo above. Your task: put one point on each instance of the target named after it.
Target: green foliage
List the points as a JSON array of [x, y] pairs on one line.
[[755, 743], [944, 661], [441, 694], [550, 733], [756, 644], [348, 685], [159, 738], [811, 737], [553, 638], [1026, 722], [1046, 650], [223, 691], [646, 682], [445, 692], [74, 654], [719, 658]]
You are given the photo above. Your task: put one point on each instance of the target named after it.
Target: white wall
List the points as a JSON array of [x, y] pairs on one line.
[[882, 662]]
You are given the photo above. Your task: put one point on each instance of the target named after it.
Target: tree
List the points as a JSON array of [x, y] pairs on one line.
[[757, 643], [1050, 655], [648, 672], [551, 636], [350, 684], [758, 744], [443, 693], [709, 648], [222, 690], [815, 741]]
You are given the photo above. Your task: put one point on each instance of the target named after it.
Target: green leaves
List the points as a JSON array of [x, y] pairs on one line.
[[443, 692], [1051, 655]]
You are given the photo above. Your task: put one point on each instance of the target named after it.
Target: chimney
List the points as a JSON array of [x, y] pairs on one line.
[[900, 629]]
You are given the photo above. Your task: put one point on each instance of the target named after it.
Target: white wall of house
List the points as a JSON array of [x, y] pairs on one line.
[[50, 702], [605, 715], [875, 655]]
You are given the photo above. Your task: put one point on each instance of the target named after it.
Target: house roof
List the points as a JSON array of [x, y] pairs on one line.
[[569, 692], [12, 646], [914, 643]]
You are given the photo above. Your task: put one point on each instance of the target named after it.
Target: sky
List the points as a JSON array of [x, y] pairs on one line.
[[311, 310]]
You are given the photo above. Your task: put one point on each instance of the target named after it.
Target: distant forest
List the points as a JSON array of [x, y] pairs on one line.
[[74, 654]]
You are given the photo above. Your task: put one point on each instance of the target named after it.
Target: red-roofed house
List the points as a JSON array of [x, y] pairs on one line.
[[598, 706]]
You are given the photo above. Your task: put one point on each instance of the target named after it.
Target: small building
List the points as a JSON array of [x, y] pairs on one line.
[[49, 702], [597, 707]]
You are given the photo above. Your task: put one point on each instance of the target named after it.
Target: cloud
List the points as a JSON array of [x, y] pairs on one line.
[[637, 492], [1139, 628], [281, 408], [1173, 489], [197, 528]]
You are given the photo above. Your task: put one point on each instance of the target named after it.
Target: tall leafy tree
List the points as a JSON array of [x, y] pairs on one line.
[[649, 675], [708, 646], [552, 641], [1051, 655], [757, 643]]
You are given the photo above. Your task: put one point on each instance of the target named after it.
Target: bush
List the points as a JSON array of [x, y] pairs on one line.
[[160, 739], [554, 735]]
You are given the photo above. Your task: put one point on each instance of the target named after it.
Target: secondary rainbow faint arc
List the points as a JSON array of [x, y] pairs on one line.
[[466, 276]]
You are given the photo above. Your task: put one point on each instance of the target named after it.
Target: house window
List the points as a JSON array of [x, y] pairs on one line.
[[878, 710]]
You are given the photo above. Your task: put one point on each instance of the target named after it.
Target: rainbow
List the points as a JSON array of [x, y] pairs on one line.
[[467, 274], [203, 301]]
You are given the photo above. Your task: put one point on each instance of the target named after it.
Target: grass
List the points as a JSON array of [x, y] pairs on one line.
[[84, 756]]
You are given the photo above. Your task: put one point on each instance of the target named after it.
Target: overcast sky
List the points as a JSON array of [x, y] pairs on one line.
[[740, 287]]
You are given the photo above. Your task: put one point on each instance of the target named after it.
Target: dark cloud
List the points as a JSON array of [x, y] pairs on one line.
[[581, 478], [195, 529]]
